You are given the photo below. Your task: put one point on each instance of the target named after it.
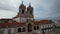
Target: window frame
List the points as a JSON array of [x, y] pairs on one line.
[[22, 11], [36, 27], [19, 30], [22, 29]]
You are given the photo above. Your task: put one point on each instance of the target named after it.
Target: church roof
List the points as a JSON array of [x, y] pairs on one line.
[[18, 15], [24, 23], [6, 22], [13, 23], [29, 7], [22, 5]]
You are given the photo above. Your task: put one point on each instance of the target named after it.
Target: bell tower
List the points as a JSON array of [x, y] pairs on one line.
[[30, 12], [22, 10]]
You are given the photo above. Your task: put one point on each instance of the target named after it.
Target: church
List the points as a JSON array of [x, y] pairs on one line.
[[25, 14], [24, 23]]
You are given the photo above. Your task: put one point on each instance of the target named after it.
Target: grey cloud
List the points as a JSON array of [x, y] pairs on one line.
[[42, 8], [53, 10], [9, 8], [8, 5]]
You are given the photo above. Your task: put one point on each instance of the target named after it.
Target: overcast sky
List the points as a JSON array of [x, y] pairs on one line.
[[42, 8]]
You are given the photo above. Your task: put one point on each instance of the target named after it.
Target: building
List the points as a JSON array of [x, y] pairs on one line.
[[24, 23], [44, 26]]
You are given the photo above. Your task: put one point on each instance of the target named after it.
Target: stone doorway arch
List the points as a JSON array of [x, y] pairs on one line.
[[29, 27]]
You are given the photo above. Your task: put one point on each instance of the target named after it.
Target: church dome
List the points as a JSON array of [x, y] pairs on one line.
[[29, 7], [22, 6]]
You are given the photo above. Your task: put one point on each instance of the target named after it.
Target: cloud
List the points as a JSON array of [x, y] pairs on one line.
[[9, 5], [42, 8], [48, 8], [8, 8], [7, 14]]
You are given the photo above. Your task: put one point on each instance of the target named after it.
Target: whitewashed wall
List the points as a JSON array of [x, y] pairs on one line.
[[22, 19], [12, 31]]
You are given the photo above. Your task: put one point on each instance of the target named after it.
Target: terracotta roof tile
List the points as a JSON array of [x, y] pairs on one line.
[[11, 24], [43, 22]]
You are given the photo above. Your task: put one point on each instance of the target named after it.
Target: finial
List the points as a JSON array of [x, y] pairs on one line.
[[22, 2], [29, 4]]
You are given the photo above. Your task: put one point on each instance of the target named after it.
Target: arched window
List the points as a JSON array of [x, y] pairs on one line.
[[36, 27], [30, 12], [22, 29], [22, 11], [19, 30]]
